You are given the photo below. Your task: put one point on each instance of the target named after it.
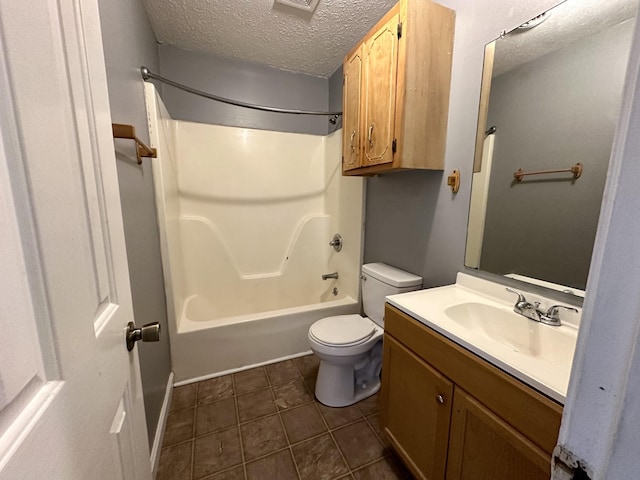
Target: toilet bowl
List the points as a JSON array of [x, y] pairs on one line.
[[350, 346]]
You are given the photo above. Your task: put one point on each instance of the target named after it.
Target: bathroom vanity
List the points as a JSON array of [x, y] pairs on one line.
[[447, 409]]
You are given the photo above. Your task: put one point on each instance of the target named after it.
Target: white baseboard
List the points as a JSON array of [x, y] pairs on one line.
[[162, 422]]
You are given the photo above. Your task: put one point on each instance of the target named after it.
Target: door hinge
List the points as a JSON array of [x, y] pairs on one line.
[[399, 30], [394, 145]]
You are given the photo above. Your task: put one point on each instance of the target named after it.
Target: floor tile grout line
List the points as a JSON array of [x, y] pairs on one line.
[[261, 457], [299, 376], [215, 474], [235, 403], [344, 459], [298, 368], [368, 464], [286, 409], [213, 401], [254, 389], [286, 435], [333, 439], [319, 434], [384, 448], [288, 447], [338, 427], [240, 424], [193, 441], [295, 464], [374, 430], [262, 416], [195, 418]]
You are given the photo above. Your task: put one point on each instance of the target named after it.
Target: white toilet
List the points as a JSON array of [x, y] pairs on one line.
[[350, 346]]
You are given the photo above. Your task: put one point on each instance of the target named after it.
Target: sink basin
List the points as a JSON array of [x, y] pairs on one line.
[[478, 315], [520, 334]]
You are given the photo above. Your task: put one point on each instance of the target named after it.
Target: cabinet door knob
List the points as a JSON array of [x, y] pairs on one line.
[[371, 135], [440, 399]]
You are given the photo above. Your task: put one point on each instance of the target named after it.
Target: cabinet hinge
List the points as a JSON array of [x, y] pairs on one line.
[[344, 79], [394, 145], [400, 30]]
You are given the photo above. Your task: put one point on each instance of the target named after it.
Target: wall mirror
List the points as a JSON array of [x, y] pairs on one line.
[[550, 100]]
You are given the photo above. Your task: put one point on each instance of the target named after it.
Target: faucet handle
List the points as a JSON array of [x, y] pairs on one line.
[[521, 298], [552, 317], [553, 314]]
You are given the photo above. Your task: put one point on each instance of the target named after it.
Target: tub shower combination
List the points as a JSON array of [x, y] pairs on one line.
[[248, 222]]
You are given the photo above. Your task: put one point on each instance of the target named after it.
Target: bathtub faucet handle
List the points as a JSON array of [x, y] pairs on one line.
[[336, 242]]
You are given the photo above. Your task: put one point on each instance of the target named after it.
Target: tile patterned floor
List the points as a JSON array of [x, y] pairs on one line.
[[264, 424]]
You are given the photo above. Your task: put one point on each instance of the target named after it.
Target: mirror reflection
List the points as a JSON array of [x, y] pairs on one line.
[[550, 99]]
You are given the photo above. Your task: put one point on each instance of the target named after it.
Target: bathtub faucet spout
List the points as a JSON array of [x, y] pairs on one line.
[[327, 276]]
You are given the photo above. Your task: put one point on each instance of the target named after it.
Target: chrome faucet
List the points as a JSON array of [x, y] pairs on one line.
[[327, 276], [525, 308], [530, 310]]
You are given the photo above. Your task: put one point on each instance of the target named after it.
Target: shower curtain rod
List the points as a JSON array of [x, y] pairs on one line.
[[149, 75]]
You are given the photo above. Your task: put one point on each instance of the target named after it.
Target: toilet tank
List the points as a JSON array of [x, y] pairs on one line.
[[380, 280]]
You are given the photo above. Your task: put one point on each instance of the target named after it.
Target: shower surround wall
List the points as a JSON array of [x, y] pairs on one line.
[[246, 217]]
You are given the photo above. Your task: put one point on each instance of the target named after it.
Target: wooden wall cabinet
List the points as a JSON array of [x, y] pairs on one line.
[[396, 91], [451, 415]]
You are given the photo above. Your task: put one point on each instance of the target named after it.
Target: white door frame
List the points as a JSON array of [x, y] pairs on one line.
[[600, 430], [75, 411]]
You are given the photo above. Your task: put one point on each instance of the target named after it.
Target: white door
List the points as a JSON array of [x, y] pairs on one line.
[[70, 396]]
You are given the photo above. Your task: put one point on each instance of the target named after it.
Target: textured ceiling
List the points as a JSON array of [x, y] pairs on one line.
[[262, 32], [567, 23]]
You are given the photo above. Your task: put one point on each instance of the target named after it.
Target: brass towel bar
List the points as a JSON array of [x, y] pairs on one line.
[[128, 131], [575, 169]]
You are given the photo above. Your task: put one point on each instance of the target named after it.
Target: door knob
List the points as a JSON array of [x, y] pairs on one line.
[[147, 333]]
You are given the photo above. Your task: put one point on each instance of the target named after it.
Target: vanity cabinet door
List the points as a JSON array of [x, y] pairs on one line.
[[484, 447], [416, 403], [351, 106], [381, 66]]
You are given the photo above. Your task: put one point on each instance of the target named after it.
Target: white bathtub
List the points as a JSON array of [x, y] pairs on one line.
[[245, 220], [203, 349]]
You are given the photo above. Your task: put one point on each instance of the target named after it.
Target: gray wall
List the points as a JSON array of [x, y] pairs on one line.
[[128, 43], [246, 82], [551, 113], [335, 97]]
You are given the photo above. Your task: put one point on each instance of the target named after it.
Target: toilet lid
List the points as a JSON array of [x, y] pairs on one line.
[[342, 330]]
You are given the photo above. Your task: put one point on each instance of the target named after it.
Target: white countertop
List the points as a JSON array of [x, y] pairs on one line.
[[478, 315]]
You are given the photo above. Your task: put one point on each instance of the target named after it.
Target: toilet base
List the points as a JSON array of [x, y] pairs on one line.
[[335, 385]]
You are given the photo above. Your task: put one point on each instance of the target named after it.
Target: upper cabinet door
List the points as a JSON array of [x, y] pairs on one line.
[[351, 106], [380, 65]]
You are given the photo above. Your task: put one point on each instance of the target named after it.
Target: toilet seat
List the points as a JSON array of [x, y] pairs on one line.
[[343, 331]]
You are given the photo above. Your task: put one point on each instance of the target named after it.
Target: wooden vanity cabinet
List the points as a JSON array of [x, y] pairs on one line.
[[416, 420], [451, 415], [396, 91], [484, 447]]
